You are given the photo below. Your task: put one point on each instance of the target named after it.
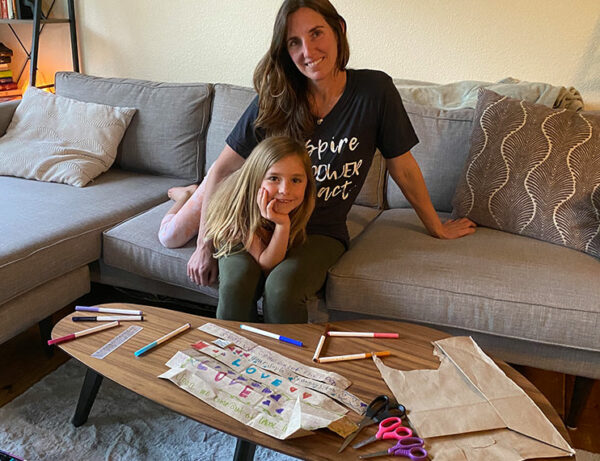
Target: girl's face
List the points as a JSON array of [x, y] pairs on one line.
[[285, 182], [312, 44]]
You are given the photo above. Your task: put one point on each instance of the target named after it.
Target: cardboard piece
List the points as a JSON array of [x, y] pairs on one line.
[[468, 409]]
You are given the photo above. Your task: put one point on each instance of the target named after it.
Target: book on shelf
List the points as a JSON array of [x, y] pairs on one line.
[[6, 73], [9, 95], [8, 86]]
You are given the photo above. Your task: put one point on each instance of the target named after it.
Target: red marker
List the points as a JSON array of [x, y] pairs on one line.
[[77, 334]]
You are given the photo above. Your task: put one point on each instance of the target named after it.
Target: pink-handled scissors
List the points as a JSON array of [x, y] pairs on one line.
[[389, 428], [409, 447]]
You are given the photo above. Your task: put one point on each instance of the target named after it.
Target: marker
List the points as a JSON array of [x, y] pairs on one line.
[[166, 337], [107, 310], [359, 334], [77, 334], [271, 335], [340, 358], [318, 349], [108, 318]]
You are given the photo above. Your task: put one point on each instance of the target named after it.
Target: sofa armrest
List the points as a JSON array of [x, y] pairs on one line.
[[7, 109]]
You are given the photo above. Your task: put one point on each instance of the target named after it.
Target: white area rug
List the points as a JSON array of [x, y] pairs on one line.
[[122, 426]]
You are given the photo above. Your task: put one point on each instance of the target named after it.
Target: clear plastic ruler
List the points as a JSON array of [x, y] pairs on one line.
[[117, 341]]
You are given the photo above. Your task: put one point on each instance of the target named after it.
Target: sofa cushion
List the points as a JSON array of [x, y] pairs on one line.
[[166, 136], [444, 140], [56, 228], [35, 305], [44, 140], [134, 247], [230, 102], [491, 282], [533, 171], [7, 110]]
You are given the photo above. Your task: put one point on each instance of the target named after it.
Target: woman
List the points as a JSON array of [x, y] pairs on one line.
[[305, 91]]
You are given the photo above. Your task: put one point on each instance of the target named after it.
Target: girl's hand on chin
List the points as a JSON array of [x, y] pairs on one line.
[[267, 209]]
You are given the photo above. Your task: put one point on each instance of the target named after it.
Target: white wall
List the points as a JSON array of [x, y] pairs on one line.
[[554, 41]]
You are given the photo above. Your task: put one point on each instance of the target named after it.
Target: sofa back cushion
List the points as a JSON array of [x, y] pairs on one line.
[[230, 102], [7, 110], [167, 134], [444, 140]]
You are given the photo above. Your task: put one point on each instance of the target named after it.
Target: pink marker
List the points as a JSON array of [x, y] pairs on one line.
[[360, 334]]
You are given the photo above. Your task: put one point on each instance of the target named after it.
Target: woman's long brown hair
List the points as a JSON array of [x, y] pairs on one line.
[[283, 106]]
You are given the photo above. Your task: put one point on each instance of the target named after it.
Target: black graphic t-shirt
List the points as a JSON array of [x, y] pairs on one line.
[[368, 115]]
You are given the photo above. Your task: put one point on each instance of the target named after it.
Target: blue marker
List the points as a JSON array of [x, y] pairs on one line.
[[271, 335], [161, 340]]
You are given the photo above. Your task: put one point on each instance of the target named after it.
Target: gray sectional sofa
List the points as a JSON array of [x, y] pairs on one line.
[[523, 300]]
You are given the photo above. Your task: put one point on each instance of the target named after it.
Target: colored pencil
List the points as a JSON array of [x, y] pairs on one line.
[[359, 334], [319, 347], [341, 358], [107, 310], [272, 335], [161, 340], [108, 318], [78, 334]]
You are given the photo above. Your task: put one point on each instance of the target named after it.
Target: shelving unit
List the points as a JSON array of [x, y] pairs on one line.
[[40, 19]]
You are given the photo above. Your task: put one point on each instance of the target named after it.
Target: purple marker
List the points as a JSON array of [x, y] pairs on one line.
[[107, 310]]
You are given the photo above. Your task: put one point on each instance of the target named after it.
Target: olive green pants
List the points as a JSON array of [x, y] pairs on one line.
[[286, 289]]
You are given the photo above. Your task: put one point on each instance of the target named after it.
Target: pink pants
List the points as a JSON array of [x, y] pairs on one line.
[[176, 229]]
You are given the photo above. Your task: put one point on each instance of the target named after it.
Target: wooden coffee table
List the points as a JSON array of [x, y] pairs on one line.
[[412, 351]]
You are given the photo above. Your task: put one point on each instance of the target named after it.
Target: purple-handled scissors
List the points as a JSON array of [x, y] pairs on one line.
[[389, 428], [409, 447]]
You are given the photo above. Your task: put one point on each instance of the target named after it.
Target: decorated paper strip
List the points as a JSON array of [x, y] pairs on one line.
[[239, 359], [253, 396], [273, 361]]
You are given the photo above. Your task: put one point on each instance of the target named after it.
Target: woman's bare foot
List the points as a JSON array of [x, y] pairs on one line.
[[182, 193]]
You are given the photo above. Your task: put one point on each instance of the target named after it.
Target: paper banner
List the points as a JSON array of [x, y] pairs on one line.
[[255, 397], [273, 361]]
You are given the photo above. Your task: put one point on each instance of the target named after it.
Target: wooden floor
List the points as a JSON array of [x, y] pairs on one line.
[[23, 363]]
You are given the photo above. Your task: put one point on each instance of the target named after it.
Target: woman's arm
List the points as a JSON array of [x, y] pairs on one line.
[[406, 173], [202, 268]]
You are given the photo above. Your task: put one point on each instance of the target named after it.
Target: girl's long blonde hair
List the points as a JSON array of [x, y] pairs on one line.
[[233, 216], [282, 90]]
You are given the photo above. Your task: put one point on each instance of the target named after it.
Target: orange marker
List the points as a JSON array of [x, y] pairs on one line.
[[341, 358]]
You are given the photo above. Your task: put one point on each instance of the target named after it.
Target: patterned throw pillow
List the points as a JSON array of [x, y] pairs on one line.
[[533, 171], [55, 139]]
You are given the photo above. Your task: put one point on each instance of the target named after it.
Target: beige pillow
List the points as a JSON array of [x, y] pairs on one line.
[[533, 171], [56, 139]]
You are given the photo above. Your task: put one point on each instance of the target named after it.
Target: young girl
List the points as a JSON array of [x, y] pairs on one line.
[[257, 214]]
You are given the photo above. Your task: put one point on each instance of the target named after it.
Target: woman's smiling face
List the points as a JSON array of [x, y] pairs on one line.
[[312, 44]]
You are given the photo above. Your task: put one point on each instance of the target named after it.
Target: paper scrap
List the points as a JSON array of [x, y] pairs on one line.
[[468, 409]]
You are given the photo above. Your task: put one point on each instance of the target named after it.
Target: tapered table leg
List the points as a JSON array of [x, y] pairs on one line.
[[244, 450], [90, 387]]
